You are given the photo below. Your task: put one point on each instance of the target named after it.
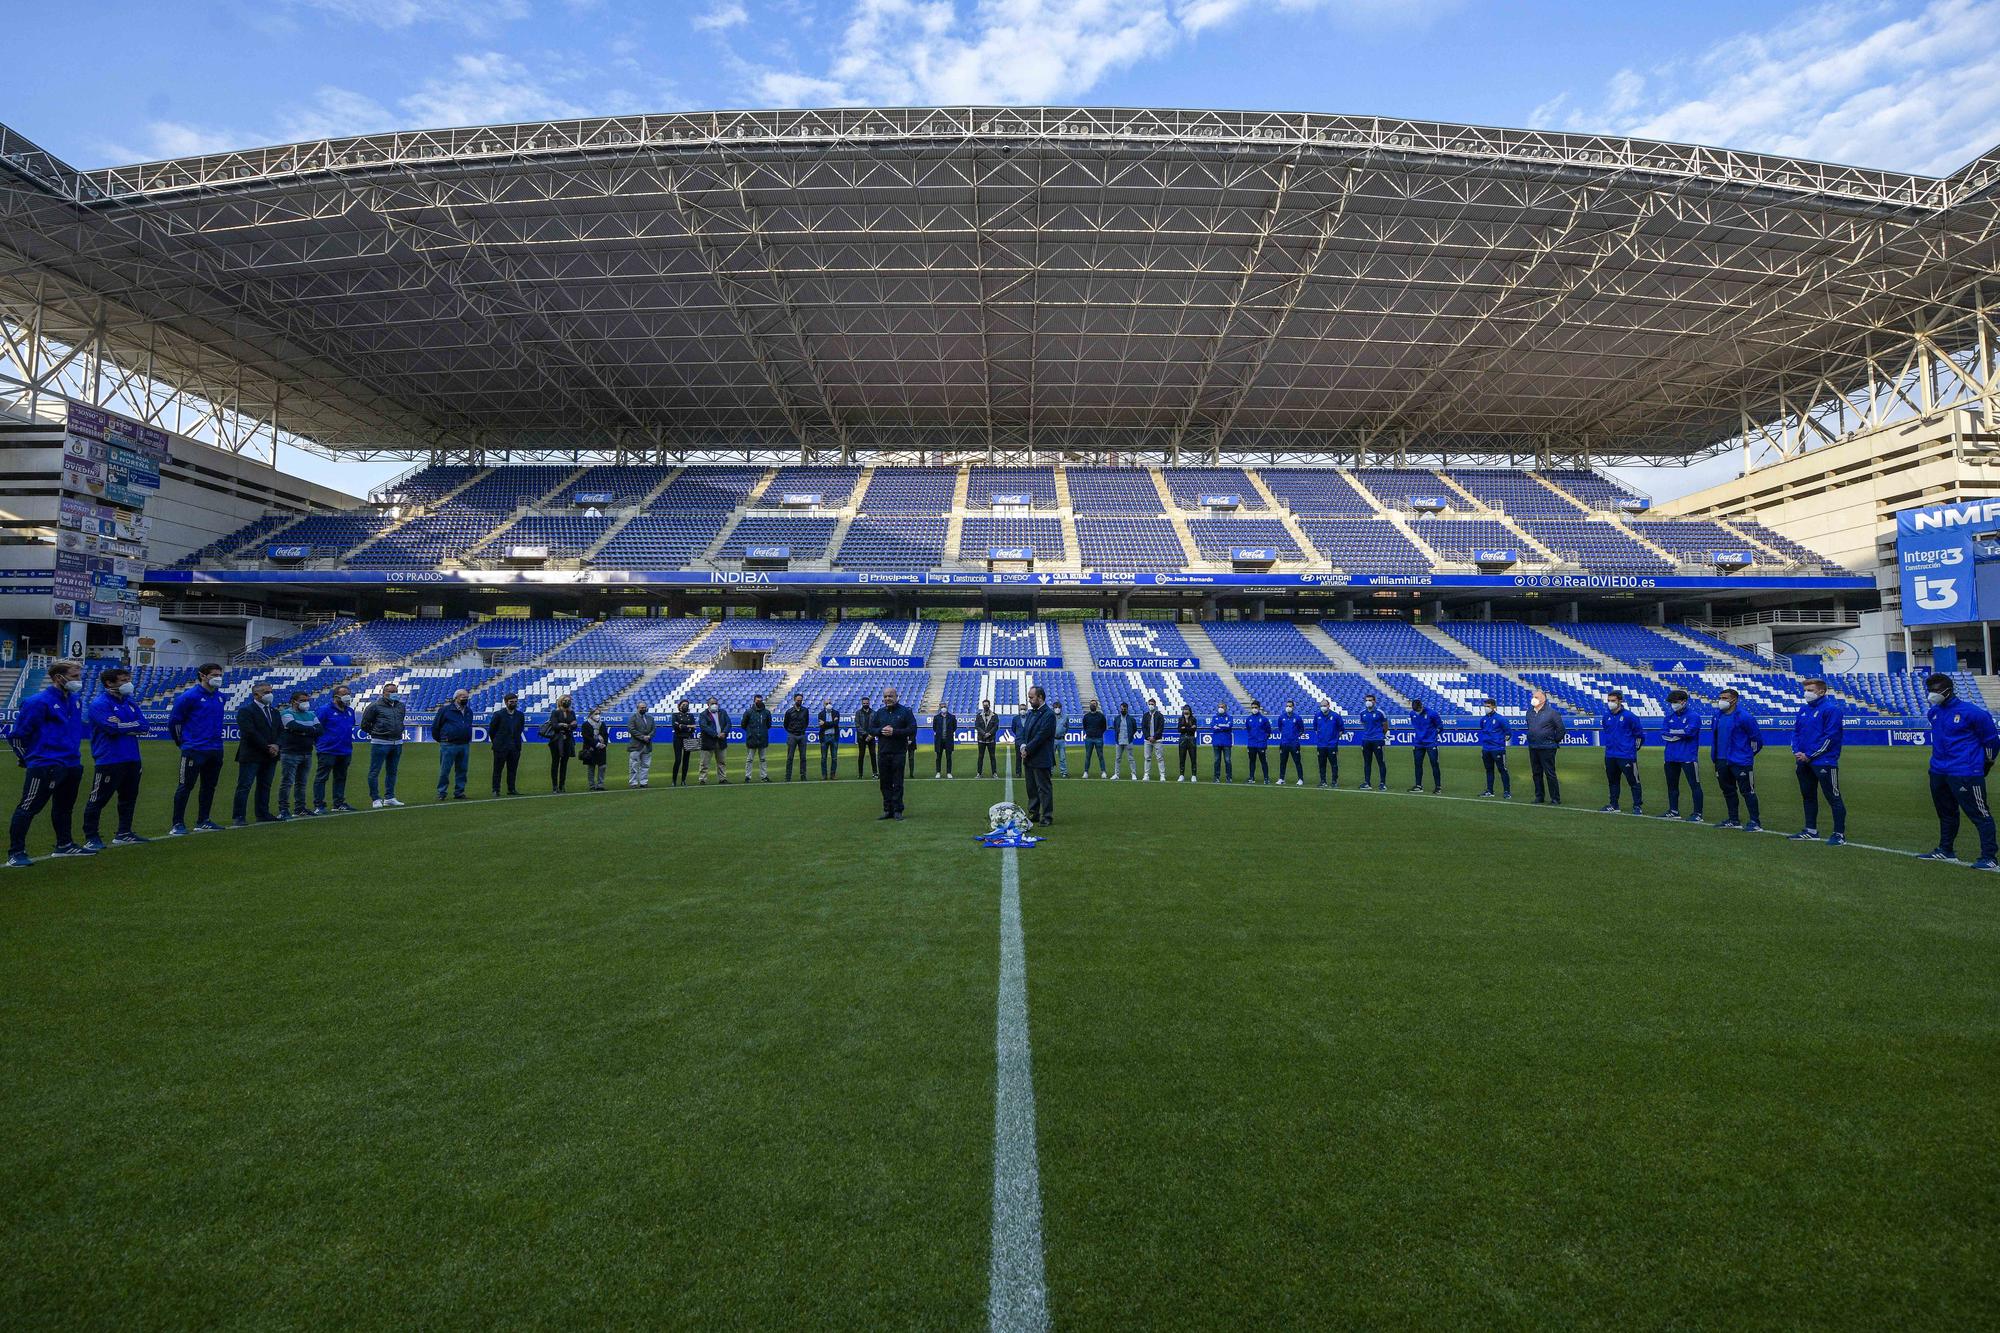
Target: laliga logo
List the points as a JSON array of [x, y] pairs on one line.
[[1936, 594]]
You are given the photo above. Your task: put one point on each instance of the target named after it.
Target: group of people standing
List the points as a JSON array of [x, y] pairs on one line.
[[303, 752]]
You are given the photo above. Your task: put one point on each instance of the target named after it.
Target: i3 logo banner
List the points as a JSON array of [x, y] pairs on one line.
[[1936, 594]]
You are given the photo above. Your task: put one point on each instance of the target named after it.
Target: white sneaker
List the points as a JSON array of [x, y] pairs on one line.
[[1194, 779], [936, 776], [1298, 782], [376, 804], [392, 803]]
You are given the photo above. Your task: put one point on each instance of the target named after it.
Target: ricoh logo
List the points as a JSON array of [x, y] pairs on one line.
[[1936, 594], [1957, 516]]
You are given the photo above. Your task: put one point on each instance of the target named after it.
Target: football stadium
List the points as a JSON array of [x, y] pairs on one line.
[[1614, 943]]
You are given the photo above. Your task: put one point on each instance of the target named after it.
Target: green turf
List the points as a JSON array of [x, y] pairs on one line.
[[726, 1057]]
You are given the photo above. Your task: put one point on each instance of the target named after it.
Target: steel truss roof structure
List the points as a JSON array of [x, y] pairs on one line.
[[1018, 283]]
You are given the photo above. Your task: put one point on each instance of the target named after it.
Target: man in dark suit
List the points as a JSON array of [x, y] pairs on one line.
[[505, 729], [1035, 744], [944, 739], [895, 737], [257, 737], [864, 739]]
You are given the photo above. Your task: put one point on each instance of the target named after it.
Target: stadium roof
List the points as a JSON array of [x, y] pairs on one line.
[[1055, 280]]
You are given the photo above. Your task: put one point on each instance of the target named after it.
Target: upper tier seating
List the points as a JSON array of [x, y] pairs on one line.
[[1396, 487], [332, 535], [1121, 640], [1317, 490], [1364, 545], [1262, 643], [1045, 535], [505, 489], [806, 535], [910, 490], [833, 485], [1038, 483], [893, 541], [1785, 546], [626, 483], [1456, 539], [537, 635], [1692, 539], [425, 543], [1188, 484], [1511, 643], [251, 536], [1113, 490], [1379, 643], [1129, 544], [1599, 547], [1590, 489], [1215, 538], [706, 490], [392, 640], [427, 485], [1514, 492], [567, 536], [661, 541]]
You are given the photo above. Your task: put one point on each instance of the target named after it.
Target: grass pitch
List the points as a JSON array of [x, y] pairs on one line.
[[727, 1057]]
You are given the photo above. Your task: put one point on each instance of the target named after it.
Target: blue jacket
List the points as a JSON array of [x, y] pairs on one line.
[[336, 729], [115, 728], [1291, 728], [1817, 732], [1035, 733], [195, 721], [1736, 739], [1622, 735], [1374, 726], [1224, 729], [1681, 735], [1327, 726], [452, 725], [1256, 731], [1963, 740], [1426, 721], [49, 731], [1494, 733]]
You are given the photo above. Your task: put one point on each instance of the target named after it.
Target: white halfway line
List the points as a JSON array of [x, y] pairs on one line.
[[1017, 1296]]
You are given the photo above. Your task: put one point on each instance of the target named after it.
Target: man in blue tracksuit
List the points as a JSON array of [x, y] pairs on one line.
[[1680, 737], [1622, 738], [1326, 728], [116, 724], [1373, 727], [194, 724], [1964, 744], [1257, 740], [1494, 737], [1426, 722], [1222, 731], [334, 751], [1816, 737], [1291, 735], [48, 742], [1734, 745]]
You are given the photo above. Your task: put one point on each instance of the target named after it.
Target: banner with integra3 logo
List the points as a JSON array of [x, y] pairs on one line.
[[1948, 560]]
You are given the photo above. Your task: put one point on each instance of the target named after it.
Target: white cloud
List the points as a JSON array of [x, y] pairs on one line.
[[1013, 51], [473, 15], [485, 88], [1846, 82], [726, 14]]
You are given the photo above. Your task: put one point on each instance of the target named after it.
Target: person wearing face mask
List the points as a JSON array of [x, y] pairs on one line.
[[1964, 744], [451, 728], [686, 738], [115, 728], [593, 748], [1680, 737], [944, 741], [1326, 728], [506, 730], [714, 725], [48, 742], [194, 724], [1222, 740], [986, 735], [559, 732], [298, 734], [382, 723], [1124, 734], [1546, 730], [798, 735], [639, 729], [1373, 727], [1153, 734], [829, 740], [1188, 745], [257, 735], [756, 724], [1494, 738], [1816, 738], [334, 751], [1291, 735], [1733, 747], [1257, 742], [1093, 737], [1424, 724], [1622, 738]]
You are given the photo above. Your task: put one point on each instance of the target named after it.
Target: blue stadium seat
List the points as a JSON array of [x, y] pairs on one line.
[[1262, 643], [1511, 643], [1376, 643]]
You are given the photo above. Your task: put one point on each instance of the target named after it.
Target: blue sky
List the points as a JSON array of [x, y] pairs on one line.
[[1912, 86]]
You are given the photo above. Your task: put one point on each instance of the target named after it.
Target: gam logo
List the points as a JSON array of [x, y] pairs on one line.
[[1936, 594]]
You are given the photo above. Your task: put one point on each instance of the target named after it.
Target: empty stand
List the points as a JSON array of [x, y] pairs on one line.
[[1511, 643]]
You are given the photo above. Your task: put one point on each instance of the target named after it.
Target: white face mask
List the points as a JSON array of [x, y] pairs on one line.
[[264, 700], [1814, 696], [125, 690], [1937, 698], [211, 682], [1491, 712], [72, 687], [1680, 708], [1727, 705], [340, 701]]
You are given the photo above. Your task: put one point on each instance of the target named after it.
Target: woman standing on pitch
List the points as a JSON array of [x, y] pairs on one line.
[[594, 748], [560, 732], [1190, 739], [685, 740]]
